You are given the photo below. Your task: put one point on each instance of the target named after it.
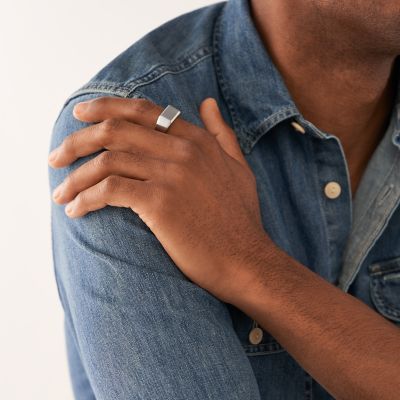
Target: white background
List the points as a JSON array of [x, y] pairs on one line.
[[48, 49]]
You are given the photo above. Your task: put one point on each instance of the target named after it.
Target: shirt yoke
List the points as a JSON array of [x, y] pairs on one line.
[[172, 48]]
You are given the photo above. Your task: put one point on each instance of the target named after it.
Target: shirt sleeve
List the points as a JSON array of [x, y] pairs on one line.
[[142, 330]]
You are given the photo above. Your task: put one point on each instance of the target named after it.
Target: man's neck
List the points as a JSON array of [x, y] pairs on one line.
[[342, 89]]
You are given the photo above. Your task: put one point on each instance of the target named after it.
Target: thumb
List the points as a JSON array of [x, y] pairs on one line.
[[215, 124]]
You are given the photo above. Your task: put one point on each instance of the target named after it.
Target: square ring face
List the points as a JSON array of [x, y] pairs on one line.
[[170, 113], [166, 118], [162, 123]]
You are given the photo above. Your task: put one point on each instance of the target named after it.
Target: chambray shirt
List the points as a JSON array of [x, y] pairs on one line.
[[353, 243]]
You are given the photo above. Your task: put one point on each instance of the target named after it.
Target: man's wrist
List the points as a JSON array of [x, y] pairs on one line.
[[245, 273], [259, 276]]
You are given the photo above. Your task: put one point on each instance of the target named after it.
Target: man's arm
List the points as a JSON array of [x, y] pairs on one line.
[[330, 333], [347, 347], [141, 329]]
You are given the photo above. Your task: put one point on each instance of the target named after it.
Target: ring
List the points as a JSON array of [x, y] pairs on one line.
[[166, 118]]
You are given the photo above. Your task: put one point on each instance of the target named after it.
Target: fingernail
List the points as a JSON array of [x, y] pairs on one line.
[[57, 192], [52, 155], [69, 209]]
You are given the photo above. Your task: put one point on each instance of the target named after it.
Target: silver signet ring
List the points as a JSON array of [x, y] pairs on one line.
[[166, 118]]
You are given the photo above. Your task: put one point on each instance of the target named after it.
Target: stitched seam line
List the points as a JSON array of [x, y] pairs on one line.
[[169, 72], [273, 120], [264, 353], [311, 147], [222, 83], [83, 92], [126, 89], [253, 135], [382, 304], [162, 69], [107, 88], [189, 59], [277, 117]]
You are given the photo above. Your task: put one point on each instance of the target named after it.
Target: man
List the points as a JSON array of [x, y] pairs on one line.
[[202, 305]]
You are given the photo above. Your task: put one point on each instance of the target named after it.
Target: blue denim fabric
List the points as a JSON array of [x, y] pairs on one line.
[[136, 327]]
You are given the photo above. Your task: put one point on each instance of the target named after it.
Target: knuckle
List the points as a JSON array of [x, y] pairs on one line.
[[108, 127], [141, 106], [135, 157], [102, 102], [188, 150], [79, 199], [69, 180], [70, 143], [110, 184], [106, 158]]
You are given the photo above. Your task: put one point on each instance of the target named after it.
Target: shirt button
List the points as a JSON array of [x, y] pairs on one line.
[[255, 336], [298, 127], [332, 190]]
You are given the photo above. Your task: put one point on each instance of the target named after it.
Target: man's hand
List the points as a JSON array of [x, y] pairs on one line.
[[191, 186], [196, 192]]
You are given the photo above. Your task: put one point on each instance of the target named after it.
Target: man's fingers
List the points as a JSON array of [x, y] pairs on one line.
[[125, 125], [139, 111], [129, 165], [111, 134], [215, 124], [114, 191]]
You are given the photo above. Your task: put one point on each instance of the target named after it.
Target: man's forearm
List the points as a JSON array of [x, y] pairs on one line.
[[347, 347]]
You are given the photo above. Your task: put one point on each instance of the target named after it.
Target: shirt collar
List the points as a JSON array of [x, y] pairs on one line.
[[252, 86]]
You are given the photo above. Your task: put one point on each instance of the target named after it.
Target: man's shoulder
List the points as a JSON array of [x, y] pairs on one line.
[[171, 64], [173, 47]]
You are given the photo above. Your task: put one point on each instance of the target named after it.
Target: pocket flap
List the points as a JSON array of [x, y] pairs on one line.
[[385, 287]]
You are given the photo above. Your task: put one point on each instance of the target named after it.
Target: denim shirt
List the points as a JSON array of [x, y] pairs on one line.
[[135, 326]]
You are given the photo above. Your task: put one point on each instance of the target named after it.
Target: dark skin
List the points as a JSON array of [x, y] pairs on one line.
[[179, 184], [337, 60]]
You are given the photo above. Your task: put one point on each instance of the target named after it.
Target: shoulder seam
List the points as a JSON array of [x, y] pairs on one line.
[[162, 69], [155, 73], [106, 90]]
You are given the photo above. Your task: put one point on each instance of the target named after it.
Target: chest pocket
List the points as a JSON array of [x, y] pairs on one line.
[[385, 288]]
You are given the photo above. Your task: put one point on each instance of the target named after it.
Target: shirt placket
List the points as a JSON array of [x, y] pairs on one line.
[[333, 192], [377, 198]]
